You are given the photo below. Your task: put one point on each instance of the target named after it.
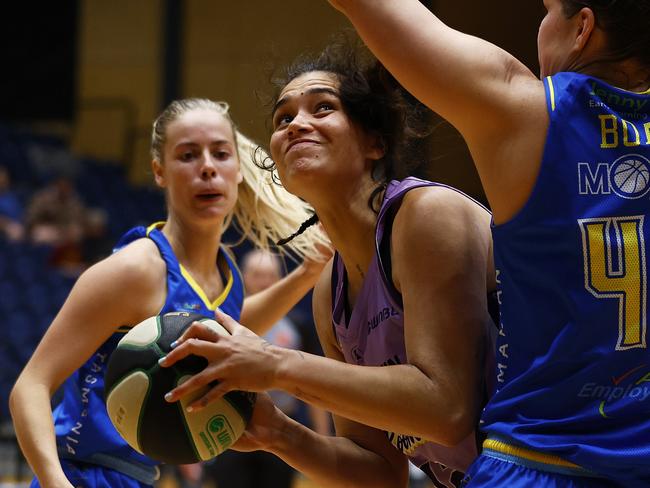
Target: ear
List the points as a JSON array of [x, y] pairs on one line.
[[376, 148], [158, 173], [586, 24]]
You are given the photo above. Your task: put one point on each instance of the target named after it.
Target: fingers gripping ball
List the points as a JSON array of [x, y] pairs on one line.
[[135, 386]]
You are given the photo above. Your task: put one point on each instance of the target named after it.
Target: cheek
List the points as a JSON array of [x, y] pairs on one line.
[[544, 41], [274, 146]]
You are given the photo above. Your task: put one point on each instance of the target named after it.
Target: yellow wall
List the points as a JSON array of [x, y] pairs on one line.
[[119, 66], [229, 49]]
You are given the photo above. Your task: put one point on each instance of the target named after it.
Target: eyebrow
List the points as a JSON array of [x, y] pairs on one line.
[[219, 142], [310, 91]]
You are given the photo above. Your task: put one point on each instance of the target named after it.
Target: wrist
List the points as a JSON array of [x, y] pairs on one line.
[[280, 356], [283, 430], [285, 362]]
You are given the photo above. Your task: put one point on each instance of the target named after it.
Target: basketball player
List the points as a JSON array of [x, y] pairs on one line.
[[565, 163], [401, 311], [205, 167]]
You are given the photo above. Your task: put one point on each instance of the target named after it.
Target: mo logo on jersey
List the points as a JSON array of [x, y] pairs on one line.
[[628, 177]]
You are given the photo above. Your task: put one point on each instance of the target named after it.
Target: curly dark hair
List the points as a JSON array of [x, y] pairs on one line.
[[625, 22], [374, 101]]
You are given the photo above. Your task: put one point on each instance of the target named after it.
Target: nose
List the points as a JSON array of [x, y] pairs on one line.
[[208, 168], [299, 124]]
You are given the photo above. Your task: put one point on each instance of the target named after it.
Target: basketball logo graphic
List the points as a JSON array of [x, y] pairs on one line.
[[630, 176]]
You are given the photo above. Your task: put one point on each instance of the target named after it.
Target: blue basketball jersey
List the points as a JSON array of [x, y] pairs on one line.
[[573, 367], [84, 431]]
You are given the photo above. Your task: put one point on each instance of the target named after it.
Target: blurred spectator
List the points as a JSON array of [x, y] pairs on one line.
[[55, 214], [11, 210], [260, 469], [96, 243]]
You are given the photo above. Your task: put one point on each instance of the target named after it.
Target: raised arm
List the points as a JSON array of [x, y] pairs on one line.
[[92, 312], [467, 80], [263, 309], [437, 395], [496, 103]]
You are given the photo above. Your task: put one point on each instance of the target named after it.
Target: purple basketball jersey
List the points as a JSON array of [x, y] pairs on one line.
[[373, 335]]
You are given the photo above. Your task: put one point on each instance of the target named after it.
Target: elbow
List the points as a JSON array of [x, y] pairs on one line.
[[14, 399], [456, 427], [20, 396]]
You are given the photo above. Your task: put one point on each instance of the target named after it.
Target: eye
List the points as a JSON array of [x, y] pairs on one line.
[[324, 107], [221, 155], [281, 119], [186, 156]]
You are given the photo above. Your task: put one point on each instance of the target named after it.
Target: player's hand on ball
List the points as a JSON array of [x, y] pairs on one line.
[[240, 361], [263, 426]]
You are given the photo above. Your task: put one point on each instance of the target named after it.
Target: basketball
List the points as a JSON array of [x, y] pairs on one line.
[[135, 386]]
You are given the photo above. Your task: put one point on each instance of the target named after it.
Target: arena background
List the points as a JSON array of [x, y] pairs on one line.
[[83, 79]]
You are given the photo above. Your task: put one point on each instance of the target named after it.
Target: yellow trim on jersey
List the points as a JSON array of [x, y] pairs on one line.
[[645, 92], [155, 225], [527, 454], [195, 286], [551, 92], [233, 260], [199, 291]]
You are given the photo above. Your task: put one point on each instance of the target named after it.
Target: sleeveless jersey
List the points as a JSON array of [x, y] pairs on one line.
[[83, 429], [373, 335], [573, 367]]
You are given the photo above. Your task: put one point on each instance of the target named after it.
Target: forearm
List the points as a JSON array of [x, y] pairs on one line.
[[335, 462], [433, 409], [419, 43], [262, 310], [32, 418]]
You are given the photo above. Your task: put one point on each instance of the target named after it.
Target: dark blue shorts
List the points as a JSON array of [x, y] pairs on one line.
[[83, 475], [504, 465], [488, 472]]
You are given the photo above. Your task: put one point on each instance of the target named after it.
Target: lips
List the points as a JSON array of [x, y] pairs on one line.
[[300, 143], [209, 195]]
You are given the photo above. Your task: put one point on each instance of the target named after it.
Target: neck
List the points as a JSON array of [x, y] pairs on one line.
[[196, 247], [350, 224], [629, 74], [625, 74]]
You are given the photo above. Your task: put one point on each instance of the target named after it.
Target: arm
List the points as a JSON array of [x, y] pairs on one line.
[[434, 397], [265, 308], [92, 312], [320, 420], [438, 394], [496, 103], [358, 456]]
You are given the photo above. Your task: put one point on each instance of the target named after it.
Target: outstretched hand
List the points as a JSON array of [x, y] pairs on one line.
[[239, 361]]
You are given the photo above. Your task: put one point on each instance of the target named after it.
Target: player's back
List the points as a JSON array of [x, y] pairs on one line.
[[573, 372]]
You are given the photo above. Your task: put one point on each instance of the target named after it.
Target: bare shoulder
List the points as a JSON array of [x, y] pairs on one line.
[[438, 229], [134, 276], [428, 209], [141, 259]]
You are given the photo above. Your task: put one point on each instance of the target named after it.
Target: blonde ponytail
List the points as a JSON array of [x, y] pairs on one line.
[[266, 213]]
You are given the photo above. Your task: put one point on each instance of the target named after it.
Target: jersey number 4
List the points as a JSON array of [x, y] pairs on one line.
[[615, 268]]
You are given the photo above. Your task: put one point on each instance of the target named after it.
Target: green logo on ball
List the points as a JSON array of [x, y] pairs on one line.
[[221, 431], [216, 424]]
